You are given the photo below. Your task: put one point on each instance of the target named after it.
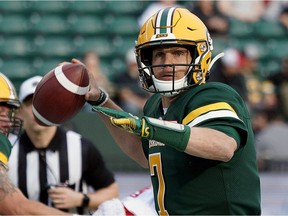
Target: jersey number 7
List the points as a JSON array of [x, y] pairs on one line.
[[155, 162]]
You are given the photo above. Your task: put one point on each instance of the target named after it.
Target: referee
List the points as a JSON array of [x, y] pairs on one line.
[[58, 167]]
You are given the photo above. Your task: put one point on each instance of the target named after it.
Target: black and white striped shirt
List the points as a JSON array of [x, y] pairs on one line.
[[69, 159]]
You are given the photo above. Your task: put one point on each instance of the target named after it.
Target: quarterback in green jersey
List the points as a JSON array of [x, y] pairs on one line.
[[194, 137]]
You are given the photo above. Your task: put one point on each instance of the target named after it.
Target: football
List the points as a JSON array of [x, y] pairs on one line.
[[60, 95]]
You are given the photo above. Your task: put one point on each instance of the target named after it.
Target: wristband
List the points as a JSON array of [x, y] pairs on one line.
[[85, 201], [103, 98], [170, 133]]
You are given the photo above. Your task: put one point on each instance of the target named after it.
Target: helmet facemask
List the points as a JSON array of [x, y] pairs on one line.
[[9, 104], [10, 123], [169, 88]]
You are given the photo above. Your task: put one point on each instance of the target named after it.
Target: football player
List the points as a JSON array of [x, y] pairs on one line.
[[194, 137], [12, 201]]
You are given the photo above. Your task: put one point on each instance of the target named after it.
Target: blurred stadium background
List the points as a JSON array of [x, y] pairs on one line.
[[36, 35]]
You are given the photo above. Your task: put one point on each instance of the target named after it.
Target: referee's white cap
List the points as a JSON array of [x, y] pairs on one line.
[[28, 87]]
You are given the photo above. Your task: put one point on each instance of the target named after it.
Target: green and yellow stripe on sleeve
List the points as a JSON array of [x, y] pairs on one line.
[[5, 149], [211, 111]]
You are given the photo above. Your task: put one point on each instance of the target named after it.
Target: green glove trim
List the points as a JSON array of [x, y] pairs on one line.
[[111, 112], [170, 133], [5, 149]]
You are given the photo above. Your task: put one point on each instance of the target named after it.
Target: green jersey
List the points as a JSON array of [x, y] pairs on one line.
[[185, 184], [5, 149]]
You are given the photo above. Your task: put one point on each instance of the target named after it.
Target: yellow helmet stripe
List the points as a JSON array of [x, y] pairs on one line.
[[202, 110]]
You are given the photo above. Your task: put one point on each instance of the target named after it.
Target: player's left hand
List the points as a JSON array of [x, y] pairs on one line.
[[127, 121], [94, 91], [149, 128]]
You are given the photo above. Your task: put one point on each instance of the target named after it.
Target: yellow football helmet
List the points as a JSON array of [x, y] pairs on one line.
[[7, 92], [174, 27], [8, 98]]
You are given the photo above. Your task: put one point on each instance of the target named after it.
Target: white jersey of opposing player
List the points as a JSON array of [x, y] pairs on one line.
[[138, 203]]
